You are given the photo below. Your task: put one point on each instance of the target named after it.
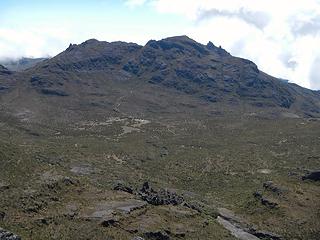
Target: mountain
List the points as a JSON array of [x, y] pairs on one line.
[[171, 140], [21, 64], [175, 75]]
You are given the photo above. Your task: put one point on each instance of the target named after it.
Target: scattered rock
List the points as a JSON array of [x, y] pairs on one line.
[[71, 210], [264, 201], [164, 152], [123, 188], [4, 186], [162, 197], [108, 222], [54, 181], [314, 176], [270, 186], [6, 235], [157, 235], [42, 221]]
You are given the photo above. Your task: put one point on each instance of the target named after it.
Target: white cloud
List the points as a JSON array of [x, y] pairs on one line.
[[280, 36], [37, 41], [135, 3]]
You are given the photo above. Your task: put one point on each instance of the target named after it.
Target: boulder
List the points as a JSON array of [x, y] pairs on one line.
[[156, 235], [313, 175], [161, 197], [265, 201], [270, 186]]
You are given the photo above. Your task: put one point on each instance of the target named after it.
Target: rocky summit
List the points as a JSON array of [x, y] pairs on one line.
[[171, 140]]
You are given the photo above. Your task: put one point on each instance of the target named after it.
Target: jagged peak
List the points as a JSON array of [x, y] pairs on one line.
[[216, 49]]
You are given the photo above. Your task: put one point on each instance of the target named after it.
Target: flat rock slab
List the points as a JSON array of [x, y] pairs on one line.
[[229, 215], [106, 210], [83, 169], [235, 231]]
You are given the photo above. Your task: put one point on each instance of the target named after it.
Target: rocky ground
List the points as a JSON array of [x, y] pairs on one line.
[[230, 180]]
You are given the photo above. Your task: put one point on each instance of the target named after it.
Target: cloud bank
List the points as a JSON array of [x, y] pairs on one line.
[[282, 37]]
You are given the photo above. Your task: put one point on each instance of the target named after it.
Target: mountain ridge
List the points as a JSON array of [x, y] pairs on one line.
[[171, 73]]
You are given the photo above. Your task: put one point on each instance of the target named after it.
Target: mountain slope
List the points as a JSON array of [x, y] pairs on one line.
[[173, 75]]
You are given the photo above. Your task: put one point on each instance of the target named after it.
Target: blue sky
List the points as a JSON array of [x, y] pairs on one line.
[[108, 19], [282, 37]]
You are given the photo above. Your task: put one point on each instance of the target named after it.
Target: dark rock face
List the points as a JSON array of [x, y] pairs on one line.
[[162, 197], [314, 176], [266, 235], [6, 235], [54, 92], [132, 67], [156, 236], [220, 51], [108, 223]]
